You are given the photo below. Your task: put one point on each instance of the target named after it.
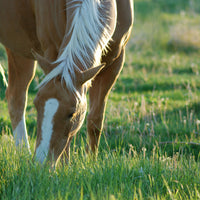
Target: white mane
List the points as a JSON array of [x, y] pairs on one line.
[[89, 37]]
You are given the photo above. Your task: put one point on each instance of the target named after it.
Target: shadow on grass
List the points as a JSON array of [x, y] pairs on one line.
[[145, 8], [171, 134], [127, 84]]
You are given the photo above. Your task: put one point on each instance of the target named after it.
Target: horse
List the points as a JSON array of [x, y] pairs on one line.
[[80, 46]]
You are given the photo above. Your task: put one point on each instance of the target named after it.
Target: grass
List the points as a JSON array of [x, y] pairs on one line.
[[114, 175], [151, 139]]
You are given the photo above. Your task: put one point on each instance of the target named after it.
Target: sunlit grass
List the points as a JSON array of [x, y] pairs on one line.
[[114, 174]]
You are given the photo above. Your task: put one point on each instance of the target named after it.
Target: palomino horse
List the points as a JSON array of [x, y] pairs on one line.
[[70, 39]]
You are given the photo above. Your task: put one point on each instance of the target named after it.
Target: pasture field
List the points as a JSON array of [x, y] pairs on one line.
[[150, 145]]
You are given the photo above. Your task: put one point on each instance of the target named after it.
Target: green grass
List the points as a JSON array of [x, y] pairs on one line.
[[150, 145]]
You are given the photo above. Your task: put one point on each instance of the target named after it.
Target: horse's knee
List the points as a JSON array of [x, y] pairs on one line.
[[94, 123], [94, 128], [7, 94], [16, 105]]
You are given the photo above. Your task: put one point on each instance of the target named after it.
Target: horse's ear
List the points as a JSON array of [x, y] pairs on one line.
[[43, 62], [91, 73]]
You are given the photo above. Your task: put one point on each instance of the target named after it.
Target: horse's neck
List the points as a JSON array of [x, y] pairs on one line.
[[87, 34], [50, 24]]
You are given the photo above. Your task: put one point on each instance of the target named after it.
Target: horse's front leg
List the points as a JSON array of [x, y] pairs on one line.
[[20, 73], [98, 96]]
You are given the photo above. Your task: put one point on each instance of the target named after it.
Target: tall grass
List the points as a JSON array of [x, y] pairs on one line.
[[113, 175]]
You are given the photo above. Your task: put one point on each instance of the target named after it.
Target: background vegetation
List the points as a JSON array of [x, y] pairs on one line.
[[151, 139]]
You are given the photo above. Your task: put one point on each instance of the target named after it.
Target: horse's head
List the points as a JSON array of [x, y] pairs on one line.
[[60, 113]]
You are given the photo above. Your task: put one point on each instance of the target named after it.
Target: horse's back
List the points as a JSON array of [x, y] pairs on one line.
[[17, 26], [37, 24]]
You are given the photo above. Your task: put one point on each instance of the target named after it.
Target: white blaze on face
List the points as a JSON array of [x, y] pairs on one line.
[[50, 109]]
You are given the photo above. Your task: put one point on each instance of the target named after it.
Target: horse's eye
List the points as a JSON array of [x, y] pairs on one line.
[[70, 115]]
